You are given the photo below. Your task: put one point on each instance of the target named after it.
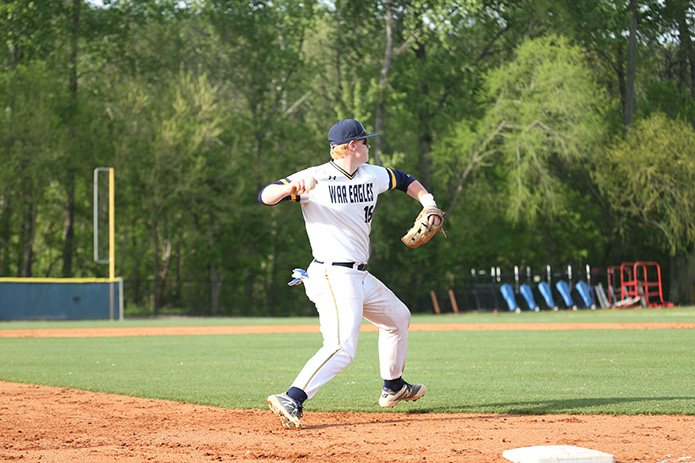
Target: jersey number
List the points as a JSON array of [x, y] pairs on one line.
[[368, 211]]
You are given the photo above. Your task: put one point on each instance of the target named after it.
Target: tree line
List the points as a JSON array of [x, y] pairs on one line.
[[553, 132]]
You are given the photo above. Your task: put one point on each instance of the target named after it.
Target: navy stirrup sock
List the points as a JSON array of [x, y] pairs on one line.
[[394, 385], [297, 395]]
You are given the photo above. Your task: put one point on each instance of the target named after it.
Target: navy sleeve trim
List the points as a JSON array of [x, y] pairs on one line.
[[399, 180]]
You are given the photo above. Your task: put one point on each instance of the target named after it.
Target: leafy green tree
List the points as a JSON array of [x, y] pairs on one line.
[[517, 178], [166, 138], [648, 176], [30, 137], [676, 19], [543, 119], [664, 96], [262, 73], [27, 30], [498, 106]]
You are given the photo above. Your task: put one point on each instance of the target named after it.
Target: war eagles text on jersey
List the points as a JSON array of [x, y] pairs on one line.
[[343, 194]]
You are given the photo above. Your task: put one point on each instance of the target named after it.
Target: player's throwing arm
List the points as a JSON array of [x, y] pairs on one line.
[[273, 193]]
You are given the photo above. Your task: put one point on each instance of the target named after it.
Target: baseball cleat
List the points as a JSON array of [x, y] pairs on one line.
[[287, 409], [409, 392]]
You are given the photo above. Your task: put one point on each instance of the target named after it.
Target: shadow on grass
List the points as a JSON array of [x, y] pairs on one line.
[[600, 405], [587, 406]]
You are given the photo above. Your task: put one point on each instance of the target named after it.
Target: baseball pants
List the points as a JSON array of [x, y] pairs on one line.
[[343, 296]]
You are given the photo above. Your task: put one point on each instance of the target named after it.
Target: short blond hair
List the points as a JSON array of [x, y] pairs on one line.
[[340, 151]]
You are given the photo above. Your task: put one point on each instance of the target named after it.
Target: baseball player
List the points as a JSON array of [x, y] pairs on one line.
[[338, 200]]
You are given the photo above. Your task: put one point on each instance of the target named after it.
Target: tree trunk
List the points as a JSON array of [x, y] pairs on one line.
[[69, 225], [28, 229], [157, 284], [383, 81], [162, 270], [424, 116], [217, 279], [686, 60], [15, 47], [5, 234], [216, 274], [620, 74], [631, 65], [69, 222]]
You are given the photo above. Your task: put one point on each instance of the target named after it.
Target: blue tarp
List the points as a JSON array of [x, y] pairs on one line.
[[547, 294], [564, 289], [585, 294], [527, 293], [508, 294]]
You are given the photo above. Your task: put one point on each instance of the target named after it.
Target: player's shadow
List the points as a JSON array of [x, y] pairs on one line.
[[406, 417], [544, 407]]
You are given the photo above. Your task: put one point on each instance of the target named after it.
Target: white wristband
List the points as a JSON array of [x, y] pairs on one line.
[[428, 200]]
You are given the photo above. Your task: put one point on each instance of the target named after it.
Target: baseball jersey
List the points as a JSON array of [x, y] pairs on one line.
[[338, 211]]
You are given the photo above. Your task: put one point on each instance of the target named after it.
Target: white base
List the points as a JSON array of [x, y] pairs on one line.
[[557, 454]]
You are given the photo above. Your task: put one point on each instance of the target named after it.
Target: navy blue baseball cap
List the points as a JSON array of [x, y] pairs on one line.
[[347, 130]]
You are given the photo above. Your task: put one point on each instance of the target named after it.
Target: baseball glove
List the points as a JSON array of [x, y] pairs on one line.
[[421, 232]]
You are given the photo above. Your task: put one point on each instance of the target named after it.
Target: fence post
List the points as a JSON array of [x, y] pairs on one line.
[[453, 301], [434, 302]]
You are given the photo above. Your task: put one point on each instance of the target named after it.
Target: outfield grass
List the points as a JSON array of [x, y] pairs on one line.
[[583, 371]]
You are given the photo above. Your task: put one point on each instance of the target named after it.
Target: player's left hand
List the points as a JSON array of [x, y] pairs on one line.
[[428, 222]]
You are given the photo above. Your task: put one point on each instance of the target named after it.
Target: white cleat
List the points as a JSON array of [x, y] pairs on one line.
[[289, 411], [409, 392]]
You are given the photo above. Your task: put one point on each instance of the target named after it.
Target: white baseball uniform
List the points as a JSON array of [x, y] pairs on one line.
[[338, 216]]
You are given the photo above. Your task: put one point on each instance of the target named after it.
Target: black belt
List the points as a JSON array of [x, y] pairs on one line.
[[354, 265]]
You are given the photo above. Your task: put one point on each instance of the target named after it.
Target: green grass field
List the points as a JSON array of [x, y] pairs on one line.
[[636, 371]]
